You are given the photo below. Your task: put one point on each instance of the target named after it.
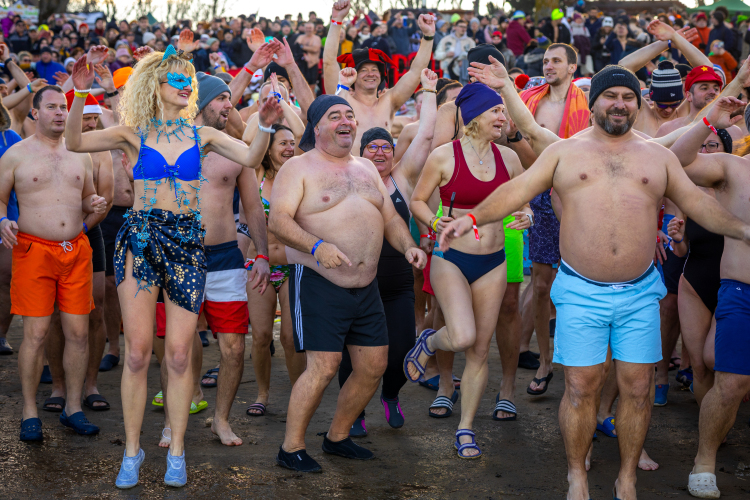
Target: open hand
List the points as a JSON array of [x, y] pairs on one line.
[[261, 57], [347, 77], [522, 221], [416, 257], [494, 75], [661, 31], [428, 79], [186, 43], [105, 77], [720, 115], [96, 54], [284, 55], [426, 23], [340, 10], [329, 256], [142, 52], [688, 33], [61, 77], [8, 231], [83, 74], [270, 112], [256, 39], [38, 84]]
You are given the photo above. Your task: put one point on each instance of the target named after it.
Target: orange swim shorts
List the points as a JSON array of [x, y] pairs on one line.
[[47, 271]]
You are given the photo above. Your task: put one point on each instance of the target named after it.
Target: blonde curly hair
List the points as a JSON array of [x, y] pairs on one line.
[[141, 100]]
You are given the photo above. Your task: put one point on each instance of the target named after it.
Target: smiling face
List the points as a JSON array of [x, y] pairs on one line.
[[282, 147], [383, 160], [368, 76], [336, 130], [176, 89], [702, 93], [615, 110], [557, 69]]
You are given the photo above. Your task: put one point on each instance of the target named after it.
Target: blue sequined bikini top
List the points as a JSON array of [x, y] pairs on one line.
[[154, 166]]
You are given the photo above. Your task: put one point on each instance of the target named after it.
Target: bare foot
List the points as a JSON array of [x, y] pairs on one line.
[[588, 457], [166, 438], [645, 462], [224, 431]]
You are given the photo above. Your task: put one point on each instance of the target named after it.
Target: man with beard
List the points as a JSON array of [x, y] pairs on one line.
[[361, 92], [602, 294], [702, 85], [332, 211], [225, 302], [103, 184]]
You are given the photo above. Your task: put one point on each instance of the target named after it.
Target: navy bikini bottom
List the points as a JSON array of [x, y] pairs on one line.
[[472, 266]]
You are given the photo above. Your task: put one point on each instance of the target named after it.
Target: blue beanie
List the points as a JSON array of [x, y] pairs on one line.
[[476, 98]]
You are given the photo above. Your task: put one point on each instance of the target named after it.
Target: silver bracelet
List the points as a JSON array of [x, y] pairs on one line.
[[270, 130]]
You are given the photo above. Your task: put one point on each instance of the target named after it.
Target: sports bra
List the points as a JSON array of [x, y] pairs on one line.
[[153, 166], [469, 190]]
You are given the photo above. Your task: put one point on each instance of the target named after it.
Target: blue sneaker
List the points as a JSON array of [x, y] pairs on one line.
[[128, 476], [359, 429], [660, 398], [176, 474]]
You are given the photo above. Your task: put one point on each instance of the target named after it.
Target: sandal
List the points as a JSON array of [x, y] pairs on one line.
[[506, 406], [443, 402], [195, 408], [432, 384], [159, 395], [472, 445], [672, 365], [96, 398], [538, 381], [79, 423], [413, 355], [51, 403], [108, 362], [257, 407], [212, 374], [31, 430], [607, 427]]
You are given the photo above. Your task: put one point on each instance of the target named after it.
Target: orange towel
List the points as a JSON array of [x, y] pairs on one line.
[[576, 114]]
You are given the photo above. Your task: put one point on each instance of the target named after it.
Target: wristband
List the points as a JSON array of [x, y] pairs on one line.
[[217, 66], [428, 38], [264, 257], [674, 240], [277, 96], [28, 87], [476, 230], [81, 93], [85, 228], [340, 87], [338, 23], [315, 247], [713, 129], [249, 262], [516, 138], [669, 44], [248, 70], [432, 91], [434, 223], [270, 130], [7, 61], [2, 219]]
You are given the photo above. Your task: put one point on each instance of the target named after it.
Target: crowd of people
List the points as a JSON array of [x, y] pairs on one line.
[[403, 209]]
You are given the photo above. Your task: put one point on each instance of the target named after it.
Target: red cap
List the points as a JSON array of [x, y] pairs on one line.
[[702, 74], [82, 25], [701, 15], [497, 33]]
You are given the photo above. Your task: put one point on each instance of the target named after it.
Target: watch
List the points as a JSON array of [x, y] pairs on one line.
[[531, 218], [112, 94], [516, 138]]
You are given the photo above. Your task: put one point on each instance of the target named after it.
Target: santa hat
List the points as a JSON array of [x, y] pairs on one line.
[[582, 81], [91, 105], [361, 56]]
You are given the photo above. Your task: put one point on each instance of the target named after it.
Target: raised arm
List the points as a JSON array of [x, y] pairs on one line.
[[331, 50], [290, 115], [260, 59], [302, 90], [247, 156], [108, 84], [665, 34], [407, 84], [508, 197], [414, 158]]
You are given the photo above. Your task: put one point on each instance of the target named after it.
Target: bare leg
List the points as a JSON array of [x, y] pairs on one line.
[[262, 309], [368, 366], [578, 422], [55, 347], [30, 361], [670, 332], [295, 361], [196, 365], [695, 322], [97, 338], [307, 394], [420, 299], [508, 336], [635, 381], [76, 330], [6, 259], [112, 316], [527, 316], [542, 280], [166, 434], [232, 346], [442, 362]]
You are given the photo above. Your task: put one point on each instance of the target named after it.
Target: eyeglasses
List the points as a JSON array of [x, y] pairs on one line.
[[667, 106], [386, 148], [711, 146]]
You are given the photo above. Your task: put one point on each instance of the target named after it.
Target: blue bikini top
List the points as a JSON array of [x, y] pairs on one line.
[[153, 166]]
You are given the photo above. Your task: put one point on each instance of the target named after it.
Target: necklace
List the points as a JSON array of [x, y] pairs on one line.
[[481, 160], [157, 124]]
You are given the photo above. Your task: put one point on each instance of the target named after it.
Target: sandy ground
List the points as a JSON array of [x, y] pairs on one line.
[[524, 459]]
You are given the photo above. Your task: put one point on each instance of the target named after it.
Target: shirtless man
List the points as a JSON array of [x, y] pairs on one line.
[[410, 128], [625, 177], [332, 210], [362, 91], [702, 85], [51, 256], [103, 184], [307, 47], [19, 102], [727, 174]]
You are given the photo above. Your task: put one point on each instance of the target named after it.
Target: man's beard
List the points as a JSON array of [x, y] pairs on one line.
[[602, 119], [213, 120]]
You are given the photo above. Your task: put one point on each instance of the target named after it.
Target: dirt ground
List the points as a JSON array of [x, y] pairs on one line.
[[523, 459]]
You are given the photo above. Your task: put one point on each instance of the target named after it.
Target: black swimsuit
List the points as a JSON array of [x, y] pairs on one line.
[[702, 268]]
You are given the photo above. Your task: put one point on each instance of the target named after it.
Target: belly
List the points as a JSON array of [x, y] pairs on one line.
[[58, 222], [165, 195], [491, 236]]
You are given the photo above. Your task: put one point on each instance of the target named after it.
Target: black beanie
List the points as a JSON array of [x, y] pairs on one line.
[[666, 84], [726, 140], [374, 134], [482, 52], [613, 76]]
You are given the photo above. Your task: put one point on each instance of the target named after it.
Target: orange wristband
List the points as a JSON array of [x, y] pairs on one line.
[[476, 230]]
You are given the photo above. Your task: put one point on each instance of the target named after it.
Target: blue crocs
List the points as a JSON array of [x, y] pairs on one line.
[[176, 474], [31, 430], [79, 423], [607, 427], [129, 469], [660, 397]]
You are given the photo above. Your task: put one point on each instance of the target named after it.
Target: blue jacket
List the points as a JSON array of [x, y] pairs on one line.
[[48, 70], [400, 36]]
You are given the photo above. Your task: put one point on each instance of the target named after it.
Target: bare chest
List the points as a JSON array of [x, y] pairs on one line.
[[370, 116], [219, 171], [549, 114], [332, 189], [51, 171]]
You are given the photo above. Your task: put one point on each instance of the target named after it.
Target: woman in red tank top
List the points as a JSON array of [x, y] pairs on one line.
[[469, 279]]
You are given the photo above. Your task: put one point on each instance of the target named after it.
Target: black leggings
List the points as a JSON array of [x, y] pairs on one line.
[[399, 315]]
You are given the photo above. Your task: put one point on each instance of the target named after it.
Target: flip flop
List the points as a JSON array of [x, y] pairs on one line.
[[506, 406], [204, 338], [672, 365], [528, 361], [539, 381], [5, 347], [195, 408], [31, 430], [413, 355], [461, 447], [607, 427], [211, 374], [96, 398], [443, 402], [432, 384], [256, 406], [49, 402], [108, 362], [46, 375], [160, 396]]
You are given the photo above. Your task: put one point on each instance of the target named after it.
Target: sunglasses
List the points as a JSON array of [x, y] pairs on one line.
[[667, 106], [373, 148], [711, 146]]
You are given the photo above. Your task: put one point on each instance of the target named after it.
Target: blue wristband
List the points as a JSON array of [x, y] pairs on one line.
[[28, 87], [85, 228], [2, 219], [340, 87], [315, 247]]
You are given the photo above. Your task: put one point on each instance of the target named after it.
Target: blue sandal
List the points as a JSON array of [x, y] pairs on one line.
[[79, 423], [461, 447], [413, 355], [607, 427], [31, 430], [432, 384]]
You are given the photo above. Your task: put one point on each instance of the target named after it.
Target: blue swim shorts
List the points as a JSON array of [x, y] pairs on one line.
[[732, 336], [592, 316]]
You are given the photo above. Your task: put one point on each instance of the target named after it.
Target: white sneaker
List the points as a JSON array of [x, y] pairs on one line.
[[703, 485]]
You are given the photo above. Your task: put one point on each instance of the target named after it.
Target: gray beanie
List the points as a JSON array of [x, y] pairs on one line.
[[209, 88], [613, 75]]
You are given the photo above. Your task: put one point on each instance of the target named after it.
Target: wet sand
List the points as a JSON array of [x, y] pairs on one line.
[[523, 459]]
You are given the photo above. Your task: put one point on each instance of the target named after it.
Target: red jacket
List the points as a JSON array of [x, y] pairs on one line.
[[516, 37]]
